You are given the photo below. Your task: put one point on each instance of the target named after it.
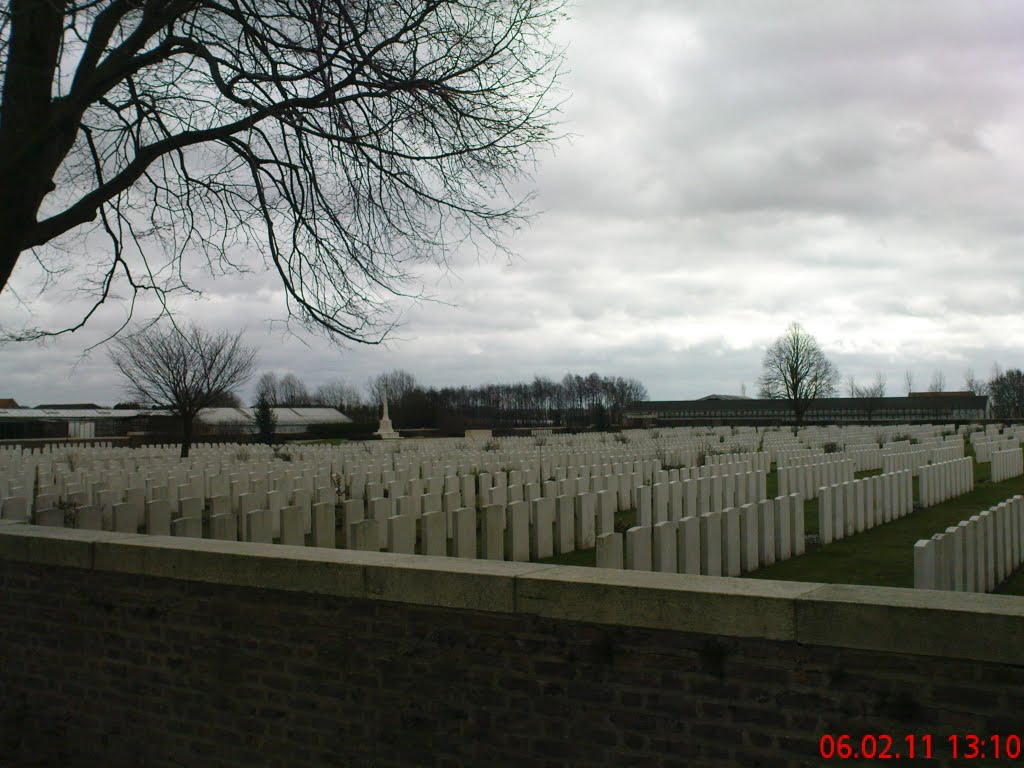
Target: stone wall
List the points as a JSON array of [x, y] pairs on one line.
[[126, 650]]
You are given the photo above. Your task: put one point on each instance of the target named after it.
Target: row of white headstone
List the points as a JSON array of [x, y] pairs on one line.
[[726, 543], [975, 555], [1007, 464], [853, 507], [986, 446], [287, 525], [946, 480], [807, 476], [190, 516], [752, 459], [911, 460]]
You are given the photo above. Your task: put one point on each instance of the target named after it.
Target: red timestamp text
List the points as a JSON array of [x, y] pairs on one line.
[[887, 746], [875, 746]]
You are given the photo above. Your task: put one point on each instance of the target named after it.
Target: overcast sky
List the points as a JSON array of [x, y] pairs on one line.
[[855, 166]]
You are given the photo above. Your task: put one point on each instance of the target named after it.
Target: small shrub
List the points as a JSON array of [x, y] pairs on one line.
[[71, 459], [70, 509], [621, 438], [243, 454], [341, 488], [282, 453], [655, 434], [492, 445], [830, 447]]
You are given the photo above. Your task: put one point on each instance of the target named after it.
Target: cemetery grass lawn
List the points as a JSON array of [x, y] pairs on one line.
[[624, 520], [588, 557], [884, 555]]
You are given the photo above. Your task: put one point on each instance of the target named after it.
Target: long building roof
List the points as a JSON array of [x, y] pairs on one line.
[[285, 416], [951, 401]]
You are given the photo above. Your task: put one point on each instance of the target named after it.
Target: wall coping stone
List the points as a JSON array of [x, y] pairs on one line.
[[954, 625]]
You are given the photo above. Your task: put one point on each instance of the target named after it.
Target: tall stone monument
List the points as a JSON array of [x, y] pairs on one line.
[[385, 431]]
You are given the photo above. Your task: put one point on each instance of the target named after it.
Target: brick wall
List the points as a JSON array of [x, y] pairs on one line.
[[118, 669]]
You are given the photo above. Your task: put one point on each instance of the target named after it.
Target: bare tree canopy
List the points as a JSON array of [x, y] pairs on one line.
[[1006, 389], [938, 382], [873, 391], [338, 394], [396, 384], [292, 392], [973, 384], [182, 370], [795, 368], [342, 141], [267, 388]]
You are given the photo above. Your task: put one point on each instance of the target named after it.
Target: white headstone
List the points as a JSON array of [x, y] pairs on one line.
[[609, 550], [688, 546], [638, 548], [665, 542]]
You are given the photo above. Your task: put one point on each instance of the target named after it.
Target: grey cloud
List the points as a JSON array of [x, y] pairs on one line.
[[853, 165]]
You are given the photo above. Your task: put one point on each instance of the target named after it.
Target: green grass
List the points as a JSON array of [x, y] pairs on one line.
[[882, 556], [588, 557]]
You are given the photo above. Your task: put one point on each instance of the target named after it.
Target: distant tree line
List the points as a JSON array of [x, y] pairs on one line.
[[574, 402]]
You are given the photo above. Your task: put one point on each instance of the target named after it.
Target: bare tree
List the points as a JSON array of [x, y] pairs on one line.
[[795, 369], [973, 384], [183, 370], [872, 393], [851, 386], [267, 388], [397, 384], [226, 400], [338, 394], [1007, 393], [292, 392], [938, 382], [908, 378], [338, 142]]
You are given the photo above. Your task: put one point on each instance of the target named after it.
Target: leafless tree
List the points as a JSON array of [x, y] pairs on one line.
[[872, 393], [227, 400], [292, 392], [973, 384], [908, 378], [267, 388], [851, 386], [340, 143], [397, 384], [1007, 392], [338, 394], [795, 369], [183, 370], [938, 382]]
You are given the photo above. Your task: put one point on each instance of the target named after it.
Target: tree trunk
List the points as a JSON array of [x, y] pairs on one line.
[[186, 435], [25, 109]]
